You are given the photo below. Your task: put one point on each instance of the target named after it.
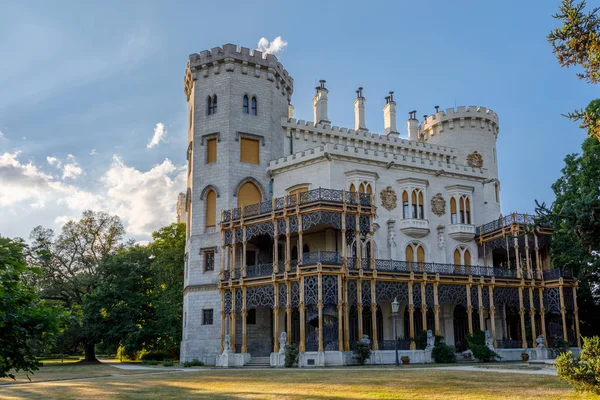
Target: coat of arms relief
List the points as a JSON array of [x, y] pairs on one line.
[[475, 160], [389, 200], [438, 205]]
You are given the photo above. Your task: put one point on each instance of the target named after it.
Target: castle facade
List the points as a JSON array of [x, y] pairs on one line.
[[302, 232]]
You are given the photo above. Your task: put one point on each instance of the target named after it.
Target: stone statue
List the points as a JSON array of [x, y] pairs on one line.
[[227, 344], [540, 341], [282, 342], [365, 339], [430, 340], [489, 341]]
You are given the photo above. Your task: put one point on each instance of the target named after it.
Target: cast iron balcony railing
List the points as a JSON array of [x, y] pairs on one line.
[[508, 220], [557, 273], [509, 344], [259, 270], [319, 195]]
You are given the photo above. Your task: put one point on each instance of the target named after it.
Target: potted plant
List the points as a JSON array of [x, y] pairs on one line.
[[405, 359], [524, 356]]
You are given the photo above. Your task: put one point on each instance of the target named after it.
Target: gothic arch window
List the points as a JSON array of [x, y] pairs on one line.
[[462, 256], [405, 209], [453, 214], [460, 209], [212, 104], [352, 188], [254, 106], [365, 187], [248, 193], [245, 107], [415, 252], [211, 208], [305, 248], [415, 208]]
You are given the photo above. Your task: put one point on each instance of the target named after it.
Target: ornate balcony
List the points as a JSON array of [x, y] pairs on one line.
[[414, 227], [461, 232]]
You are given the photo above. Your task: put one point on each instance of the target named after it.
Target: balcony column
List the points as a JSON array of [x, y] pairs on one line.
[[222, 320], [232, 253], [340, 310], [411, 313], [300, 243], [288, 245], [344, 244], [527, 260], [374, 341], [522, 315], [358, 254], [346, 317], [359, 308], [302, 347], [469, 308], [244, 261], [517, 258], [436, 307], [244, 320], [492, 313], [481, 306], [538, 265], [232, 321], [424, 304], [532, 316], [275, 317], [563, 310], [543, 314], [372, 244], [288, 311], [320, 308], [576, 316], [275, 248]]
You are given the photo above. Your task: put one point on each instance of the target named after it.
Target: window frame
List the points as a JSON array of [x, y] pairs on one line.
[[254, 104], [207, 312], [245, 105], [208, 263]]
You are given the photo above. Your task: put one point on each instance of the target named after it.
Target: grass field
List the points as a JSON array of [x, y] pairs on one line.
[[349, 383], [70, 370]]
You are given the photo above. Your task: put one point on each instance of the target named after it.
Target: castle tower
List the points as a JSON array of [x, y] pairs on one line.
[[473, 132], [236, 101]]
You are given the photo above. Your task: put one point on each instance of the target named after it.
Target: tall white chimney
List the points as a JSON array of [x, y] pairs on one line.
[[359, 111], [413, 126], [320, 104], [389, 116]]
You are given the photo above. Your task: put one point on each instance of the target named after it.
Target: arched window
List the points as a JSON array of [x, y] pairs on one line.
[[416, 206], [212, 104], [405, 210], [464, 207], [415, 253], [306, 248], [248, 194], [254, 106], [453, 215], [462, 256], [497, 190], [245, 105], [211, 209], [352, 188]]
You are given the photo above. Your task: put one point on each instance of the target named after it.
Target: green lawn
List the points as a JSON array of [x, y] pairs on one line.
[[349, 383]]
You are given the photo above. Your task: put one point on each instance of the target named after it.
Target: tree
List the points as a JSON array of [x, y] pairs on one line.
[[26, 323], [70, 270], [577, 42]]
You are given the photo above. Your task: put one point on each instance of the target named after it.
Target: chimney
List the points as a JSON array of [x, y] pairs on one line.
[[359, 111], [320, 104], [389, 116], [413, 126]]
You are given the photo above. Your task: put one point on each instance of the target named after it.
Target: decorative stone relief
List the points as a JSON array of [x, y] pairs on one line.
[[475, 160], [438, 205], [392, 239], [388, 198]]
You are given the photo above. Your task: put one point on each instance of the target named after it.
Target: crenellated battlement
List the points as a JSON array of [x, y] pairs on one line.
[[474, 116], [252, 62]]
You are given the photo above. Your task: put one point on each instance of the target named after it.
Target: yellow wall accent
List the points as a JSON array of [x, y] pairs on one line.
[[211, 151], [211, 208], [249, 151], [248, 194]]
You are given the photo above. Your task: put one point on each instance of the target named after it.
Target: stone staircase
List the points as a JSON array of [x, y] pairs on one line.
[[259, 362]]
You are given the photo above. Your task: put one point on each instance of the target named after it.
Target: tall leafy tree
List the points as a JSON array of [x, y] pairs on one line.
[[577, 43], [70, 270], [26, 323]]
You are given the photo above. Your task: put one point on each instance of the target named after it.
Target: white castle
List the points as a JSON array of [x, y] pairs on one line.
[[308, 232]]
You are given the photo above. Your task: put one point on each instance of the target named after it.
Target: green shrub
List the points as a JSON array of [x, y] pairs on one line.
[[194, 363], [155, 355], [442, 353], [291, 355], [559, 346], [479, 348], [362, 352], [583, 373], [149, 362], [123, 354], [420, 340], [167, 363]]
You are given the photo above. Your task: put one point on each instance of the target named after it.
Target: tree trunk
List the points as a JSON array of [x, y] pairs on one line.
[[90, 351]]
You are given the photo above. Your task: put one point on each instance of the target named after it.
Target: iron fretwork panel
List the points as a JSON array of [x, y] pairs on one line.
[[293, 224], [228, 302], [260, 296], [239, 298], [311, 290], [281, 227], [366, 293], [386, 292], [295, 294], [332, 219], [352, 297], [265, 228], [452, 294], [228, 237], [429, 297], [417, 295], [552, 300], [282, 295], [474, 297], [330, 289], [568, 296], [364, 224], [507, 296], [485, 297], [239, 235]]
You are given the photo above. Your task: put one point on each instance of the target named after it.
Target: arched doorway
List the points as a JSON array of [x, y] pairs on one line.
[[461, 328]]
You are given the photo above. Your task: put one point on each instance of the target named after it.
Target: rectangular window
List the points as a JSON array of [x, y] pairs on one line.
[[249, 151], [209, 261], [405, 210], [453, 219], [211, 151], [207, 317]]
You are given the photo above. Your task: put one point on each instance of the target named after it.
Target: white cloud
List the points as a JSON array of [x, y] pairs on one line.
[[2, 135], [71, 171], [70, 157], [159, 135], [274, 47], [145, 200], [54, 161], [93, 152]]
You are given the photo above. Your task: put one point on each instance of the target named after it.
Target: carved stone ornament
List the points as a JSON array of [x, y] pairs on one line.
[[438, 205], [388, 198], [475, 160]]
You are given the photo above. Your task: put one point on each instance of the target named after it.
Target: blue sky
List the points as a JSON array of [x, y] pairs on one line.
[[83, 87]]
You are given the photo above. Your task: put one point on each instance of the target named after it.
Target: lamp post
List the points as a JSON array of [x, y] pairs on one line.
[[395, 306]]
